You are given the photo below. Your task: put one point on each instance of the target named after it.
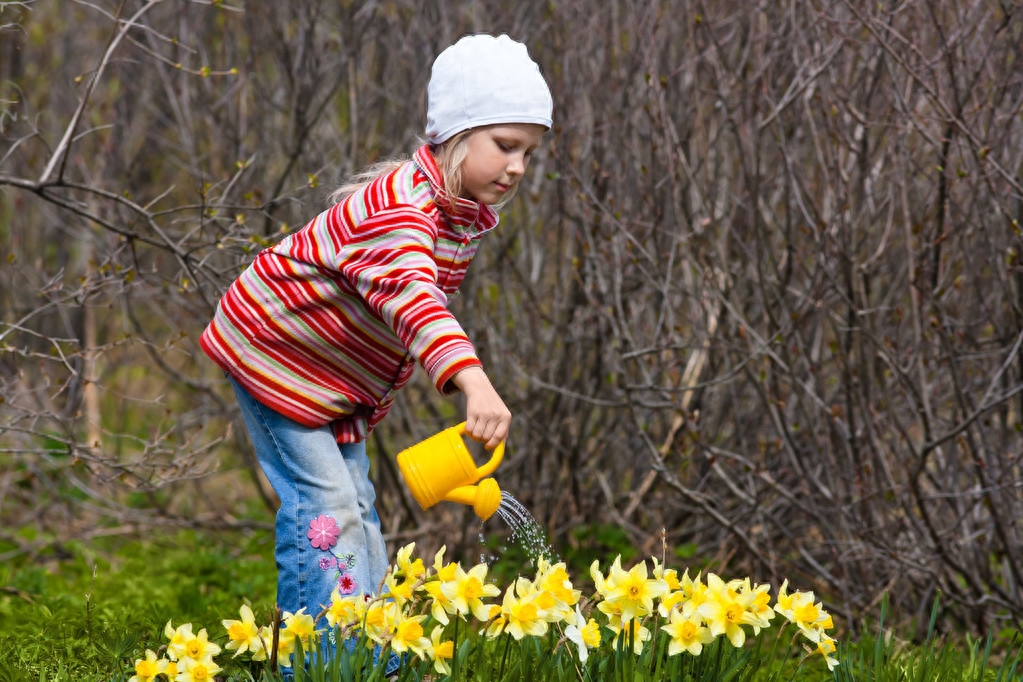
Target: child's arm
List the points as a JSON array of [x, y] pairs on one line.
[[487, 419]]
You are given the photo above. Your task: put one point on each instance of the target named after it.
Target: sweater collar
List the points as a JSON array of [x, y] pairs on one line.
[[464, 213]]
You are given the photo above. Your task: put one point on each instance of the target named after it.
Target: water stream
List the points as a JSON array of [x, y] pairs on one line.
[[526, 531]]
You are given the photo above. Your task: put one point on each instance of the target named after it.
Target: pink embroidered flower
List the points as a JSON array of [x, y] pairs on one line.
[[323, 532], [346, 584]]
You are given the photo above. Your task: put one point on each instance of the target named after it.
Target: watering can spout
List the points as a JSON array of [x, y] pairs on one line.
[[441, 468], [484, 497]]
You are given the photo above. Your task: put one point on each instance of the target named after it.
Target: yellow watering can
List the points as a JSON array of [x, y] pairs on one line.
[[441, 468]]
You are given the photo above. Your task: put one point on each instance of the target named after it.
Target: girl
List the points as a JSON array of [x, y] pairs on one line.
[[319, 333]]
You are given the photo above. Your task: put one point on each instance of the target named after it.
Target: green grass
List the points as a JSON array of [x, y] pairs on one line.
[[83, 613]]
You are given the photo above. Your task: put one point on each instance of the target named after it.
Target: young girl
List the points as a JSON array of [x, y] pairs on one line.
[[321, 331]]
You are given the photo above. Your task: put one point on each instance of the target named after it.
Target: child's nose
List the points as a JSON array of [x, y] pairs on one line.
[[517, 166]]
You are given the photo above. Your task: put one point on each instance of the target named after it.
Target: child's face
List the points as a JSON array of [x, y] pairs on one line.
[[496, 158]]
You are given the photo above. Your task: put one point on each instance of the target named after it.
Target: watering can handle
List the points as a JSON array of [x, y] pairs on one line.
[[495, 459]]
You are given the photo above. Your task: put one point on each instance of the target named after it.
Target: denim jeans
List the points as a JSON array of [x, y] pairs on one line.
[[328, 532]]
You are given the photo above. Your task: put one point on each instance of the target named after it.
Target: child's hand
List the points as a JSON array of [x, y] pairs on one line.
[[487, 418]]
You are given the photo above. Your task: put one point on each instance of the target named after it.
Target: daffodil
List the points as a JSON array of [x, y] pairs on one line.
[[826, 647], [810, 617], [583, 632], [466, 592], [200, 647], [668, 575], [411, 569], [632, 590], [265, 639], [521, 616], [243, 635], [146, 669], [440, 605], [670, 601], [687, 634], [298, 627], [799, 608], [695, 591], [178, 637], [398, 588], [726, 610], [201, 670], [285, 649], [409, 636], [440, 651], [381, 617], [760, 607], [555, 587], [345, 610]]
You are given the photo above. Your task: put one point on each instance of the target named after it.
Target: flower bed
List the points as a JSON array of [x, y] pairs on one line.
[[444, 619]]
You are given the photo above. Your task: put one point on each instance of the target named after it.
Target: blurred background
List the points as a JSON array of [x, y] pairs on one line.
[[757, 307]]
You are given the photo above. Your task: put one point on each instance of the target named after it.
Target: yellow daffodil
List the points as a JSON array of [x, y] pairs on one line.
[[687, 634], [381, 617], [826, 647], [726, 610], [809, 617], [633, 591], [799, 608], [345, 611], [695, 591], [411, 569], [440, 605], [668, 575], [398, 588], [178, 637], [298, 627], [243, 635], [585, 634], [466, 592], [200, 647], [599, 583], [670, 601], [409, 636], [495, 624], [202, 670], [760, 607], [146, 669], [285, 649], [557, 594], [265, 639], [440, 651], [521, 616], [445, 571]]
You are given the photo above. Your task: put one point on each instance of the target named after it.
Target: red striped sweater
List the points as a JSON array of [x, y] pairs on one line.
[[327, 325]]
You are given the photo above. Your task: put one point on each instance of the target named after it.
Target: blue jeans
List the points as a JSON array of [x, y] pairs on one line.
[[328, 532]]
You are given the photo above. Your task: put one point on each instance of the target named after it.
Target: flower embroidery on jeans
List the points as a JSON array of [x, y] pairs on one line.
[[323, 532], [346, 584]]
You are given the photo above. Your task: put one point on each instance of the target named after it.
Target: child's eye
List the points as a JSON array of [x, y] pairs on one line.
[[503, 146]]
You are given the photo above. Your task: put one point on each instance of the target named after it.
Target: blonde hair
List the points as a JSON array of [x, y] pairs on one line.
[[449, 155]]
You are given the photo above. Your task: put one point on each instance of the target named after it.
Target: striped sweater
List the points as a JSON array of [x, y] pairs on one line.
[[328, 324]]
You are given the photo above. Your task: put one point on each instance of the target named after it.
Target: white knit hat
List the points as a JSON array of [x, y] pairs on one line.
[[483, 80]]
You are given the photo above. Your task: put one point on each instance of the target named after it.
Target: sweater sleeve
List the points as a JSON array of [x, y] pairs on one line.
[[390, 261]]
